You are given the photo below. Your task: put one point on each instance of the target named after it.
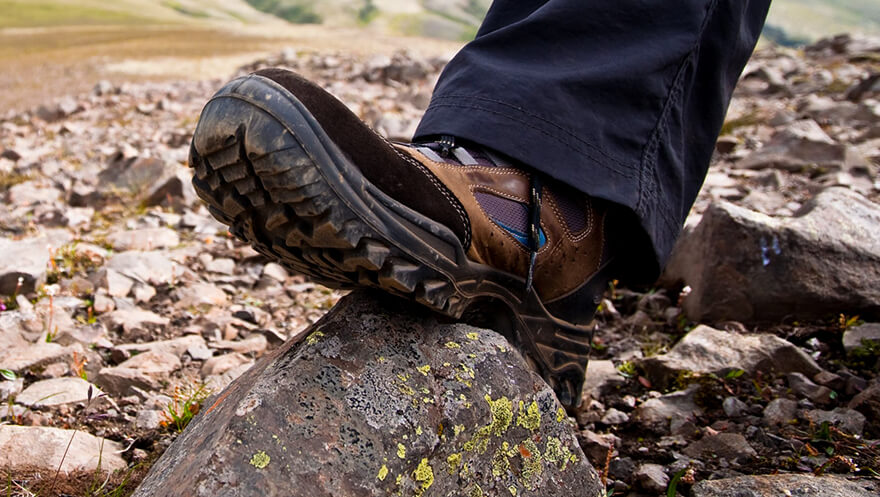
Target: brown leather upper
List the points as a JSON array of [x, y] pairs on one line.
[[564, 262]]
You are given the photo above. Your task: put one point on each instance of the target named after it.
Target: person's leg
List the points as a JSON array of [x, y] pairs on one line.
[[622, 100]]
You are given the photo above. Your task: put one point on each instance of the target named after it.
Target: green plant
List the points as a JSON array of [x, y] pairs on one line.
[[628, 369], [185, 404], [7, 375]]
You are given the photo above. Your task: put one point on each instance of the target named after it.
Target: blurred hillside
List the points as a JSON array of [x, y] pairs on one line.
[[791, 22]]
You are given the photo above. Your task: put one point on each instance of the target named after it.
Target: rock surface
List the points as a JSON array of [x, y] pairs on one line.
[[372, 403], [776, 485], [707, 350], [37, 447], [747, 266]]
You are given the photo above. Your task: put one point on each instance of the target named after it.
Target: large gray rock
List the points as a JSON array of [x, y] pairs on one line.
[[707, 350], [57, 391], [40, 448], [776, 485], [859, 337], [373, 403], [746, 266]]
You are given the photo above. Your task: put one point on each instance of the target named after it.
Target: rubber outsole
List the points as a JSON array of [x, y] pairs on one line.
[[266, 168]]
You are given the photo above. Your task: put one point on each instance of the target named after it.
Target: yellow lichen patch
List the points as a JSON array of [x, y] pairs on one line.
[[446, 364], [473, 335], [464, 401], [424, 369], [419, 430], [501, 411], [512, 490], [529, 417], [476, 491], [425, 475], [452, 345], [383, 472], [560, 415], [381, 358], [502, 348], [401, 451], [532, 467], [500, 462], [314, 337], [502, 414], [260, 460], [457, 429], [557, 453], [454, 461]]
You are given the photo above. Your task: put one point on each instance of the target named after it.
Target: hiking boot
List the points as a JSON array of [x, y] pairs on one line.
[[464, 231]]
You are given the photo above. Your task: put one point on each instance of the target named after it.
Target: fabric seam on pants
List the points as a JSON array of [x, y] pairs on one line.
[[648, 172]]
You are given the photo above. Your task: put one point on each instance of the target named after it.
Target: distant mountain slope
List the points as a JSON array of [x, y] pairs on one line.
[[790, 22], [797, 21], [33, 13], [451, 19]]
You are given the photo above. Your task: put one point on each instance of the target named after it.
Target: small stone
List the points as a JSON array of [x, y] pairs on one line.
[[859, 337], [802, 385], [32, 448], [707, 350], [602, 378], [597, 446], [734, 408], [221, 364], [651, 477], [144, 239], [143, 293], [730, 446], [799, 485], [254, 344], [221, 266], [135, 322], [275, 271], [201, 295], [847, 420], [663, 413], [149, 419], [780, 412], [614, 417], [56, 392]]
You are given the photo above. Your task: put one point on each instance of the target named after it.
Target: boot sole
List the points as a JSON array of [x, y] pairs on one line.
[[267, 169]]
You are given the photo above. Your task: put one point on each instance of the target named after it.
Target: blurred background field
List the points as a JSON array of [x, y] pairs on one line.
[[50, 48]]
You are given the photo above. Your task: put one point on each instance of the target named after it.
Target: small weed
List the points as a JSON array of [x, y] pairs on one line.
[[67, 262], [185, 404], [628, 369]]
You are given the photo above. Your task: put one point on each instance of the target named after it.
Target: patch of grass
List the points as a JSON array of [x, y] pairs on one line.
[[66, 261], [9, 179], [290, 12], [183, 9], [185, 404], [25, 13]]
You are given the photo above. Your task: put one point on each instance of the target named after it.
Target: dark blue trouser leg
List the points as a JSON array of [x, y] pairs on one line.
[[621, 99]]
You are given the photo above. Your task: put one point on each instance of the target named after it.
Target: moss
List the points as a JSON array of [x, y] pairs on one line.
[[260, 460], [424, 369], [530, 417], [425, 475], [401, 451], [454, 461], [383, 472]]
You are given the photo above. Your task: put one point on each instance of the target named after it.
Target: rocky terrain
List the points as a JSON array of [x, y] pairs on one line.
[[124, 306]]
